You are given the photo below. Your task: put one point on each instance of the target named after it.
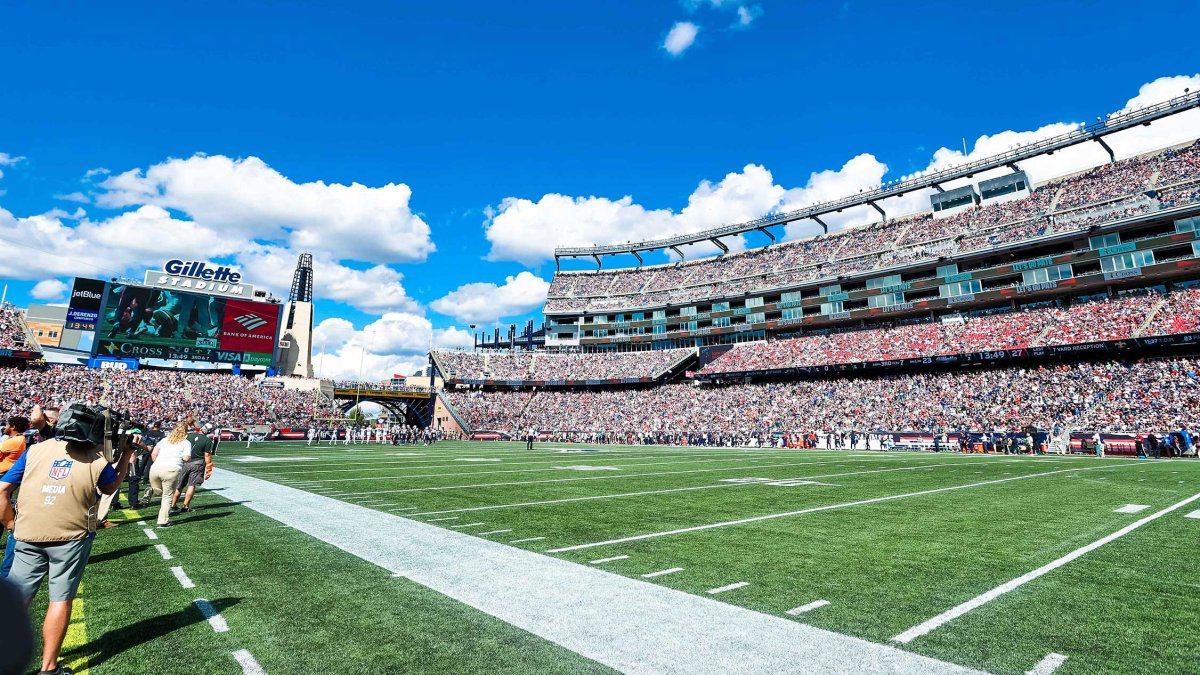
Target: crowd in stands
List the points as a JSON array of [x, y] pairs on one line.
[[544, 366], [1093, 320], [12, 329], [1074, 203], [1143, 396], [162, 396]]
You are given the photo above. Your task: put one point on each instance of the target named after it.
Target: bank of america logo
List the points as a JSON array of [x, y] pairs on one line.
[[250, 322]]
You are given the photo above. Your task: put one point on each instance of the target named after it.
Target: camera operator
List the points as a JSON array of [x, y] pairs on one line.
[[113, 501], [56, 522], [44, 420]]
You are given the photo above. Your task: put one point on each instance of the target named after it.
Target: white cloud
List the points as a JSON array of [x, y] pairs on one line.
[[48, 289], [74, 197], [746, 14], [395, 343], [527, 231], [248, 197], [681, 36], [241, 211], [453, 338], [8, 160], [374, 289], [480, 303]]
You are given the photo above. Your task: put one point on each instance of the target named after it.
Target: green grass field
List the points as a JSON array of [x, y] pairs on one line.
[[888, 540]]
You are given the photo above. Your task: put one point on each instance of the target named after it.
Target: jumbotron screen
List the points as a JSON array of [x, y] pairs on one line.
[[143, 322]]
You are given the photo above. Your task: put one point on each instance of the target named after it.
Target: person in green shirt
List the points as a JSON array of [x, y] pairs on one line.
[[197, 469]]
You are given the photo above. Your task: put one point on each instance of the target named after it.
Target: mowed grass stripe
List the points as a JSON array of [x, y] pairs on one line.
[[1118, 610], [978, 601], [614, 476], [566, 467], [815, 509], [663, 491], [577, 519], [363, 467], [885, 566]]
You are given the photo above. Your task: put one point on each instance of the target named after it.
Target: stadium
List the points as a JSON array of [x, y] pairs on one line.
[[946, 423]]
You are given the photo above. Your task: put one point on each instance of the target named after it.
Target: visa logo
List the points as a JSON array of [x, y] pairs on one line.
[[233, 357]]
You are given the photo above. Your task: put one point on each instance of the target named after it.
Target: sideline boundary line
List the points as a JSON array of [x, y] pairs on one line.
[[626, 624]]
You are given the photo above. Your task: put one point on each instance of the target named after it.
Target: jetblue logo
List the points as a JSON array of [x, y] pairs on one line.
[[250, 322]]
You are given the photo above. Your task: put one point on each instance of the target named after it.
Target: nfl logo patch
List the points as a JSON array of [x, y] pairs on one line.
[[61, 468]]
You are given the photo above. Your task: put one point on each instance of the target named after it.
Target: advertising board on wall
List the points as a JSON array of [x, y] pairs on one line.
[[83, 310]]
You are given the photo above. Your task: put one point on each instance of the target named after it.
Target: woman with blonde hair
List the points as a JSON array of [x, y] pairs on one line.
[[167, 470]]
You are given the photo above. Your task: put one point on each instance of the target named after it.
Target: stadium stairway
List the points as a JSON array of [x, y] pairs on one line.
[[1150, 317], [462, 423], [1036, 341]]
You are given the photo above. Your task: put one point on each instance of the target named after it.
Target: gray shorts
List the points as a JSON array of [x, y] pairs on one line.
[[193, 474], [62, 562]]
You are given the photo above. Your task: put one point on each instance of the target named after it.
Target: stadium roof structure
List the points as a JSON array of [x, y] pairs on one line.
[[1095, 132]]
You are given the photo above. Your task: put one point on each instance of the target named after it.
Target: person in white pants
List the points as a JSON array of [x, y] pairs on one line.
[[169, 456]]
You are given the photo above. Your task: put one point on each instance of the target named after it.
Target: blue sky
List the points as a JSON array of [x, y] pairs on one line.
[[237, 132]]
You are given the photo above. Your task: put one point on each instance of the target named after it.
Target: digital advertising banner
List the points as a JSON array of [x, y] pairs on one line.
[[141, 322], [83, 310]]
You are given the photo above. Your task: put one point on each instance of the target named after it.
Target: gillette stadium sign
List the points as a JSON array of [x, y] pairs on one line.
[[197, 276]]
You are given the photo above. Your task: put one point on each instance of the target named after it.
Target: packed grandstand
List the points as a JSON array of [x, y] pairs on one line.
[[1076, 203]]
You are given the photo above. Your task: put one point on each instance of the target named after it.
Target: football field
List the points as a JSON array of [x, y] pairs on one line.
[[474, 557]]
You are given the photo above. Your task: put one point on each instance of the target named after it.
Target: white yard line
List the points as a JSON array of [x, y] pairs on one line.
[[729, 587], [214, 617], [568, 480], [521, 541], [151, 534], [483, 534], [438, 520], [980, 600], [608, 560], [567, 500], [815, 509], [660, 573], [1132, 508], [182, 577], [1194, 514], [466, 474], [162, 550], [361, 467], [458, 527], [246, 660], [805, 609], [1047, 665], [623, 623]]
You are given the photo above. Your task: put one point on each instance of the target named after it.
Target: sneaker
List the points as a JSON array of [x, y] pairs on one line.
[[108, 524], [186, 509], [61, 670], [167, 524]]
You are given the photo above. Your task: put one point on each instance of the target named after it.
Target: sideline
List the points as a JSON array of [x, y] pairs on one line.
[[626, 624]]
